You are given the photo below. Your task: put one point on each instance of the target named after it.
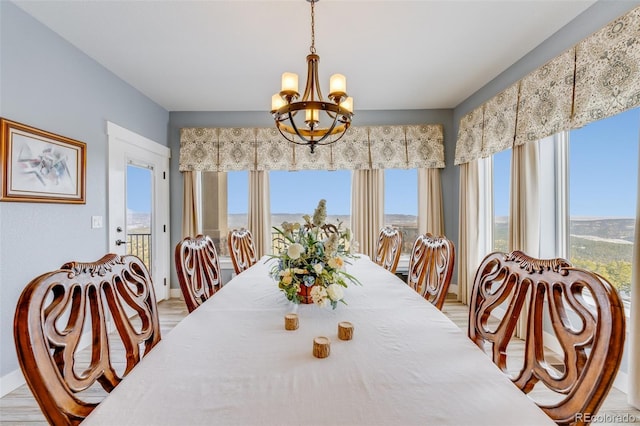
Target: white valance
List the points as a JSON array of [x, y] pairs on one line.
[[373, 147], [596, 79]]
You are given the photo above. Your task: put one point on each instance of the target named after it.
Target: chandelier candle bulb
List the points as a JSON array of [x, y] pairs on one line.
[[347, 104], [311, 115], [289, 82], [345, 330], [337, 85], [277, 102], [291, 322], [321, 347]]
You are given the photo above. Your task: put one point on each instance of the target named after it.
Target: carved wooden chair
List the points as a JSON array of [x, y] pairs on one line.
[[198, 269], [389, 248], [241, 249], [431, 268], [57, 308], [582, 310]]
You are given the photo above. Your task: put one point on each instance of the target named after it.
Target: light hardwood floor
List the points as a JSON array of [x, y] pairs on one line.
[[20, 408]]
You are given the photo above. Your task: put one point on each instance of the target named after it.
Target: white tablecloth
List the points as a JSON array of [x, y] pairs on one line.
[[231, 362]]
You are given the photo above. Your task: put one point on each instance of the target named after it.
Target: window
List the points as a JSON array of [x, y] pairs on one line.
[[237, 199], [501, 192], [603, 175], [294, 194], [401, 204]]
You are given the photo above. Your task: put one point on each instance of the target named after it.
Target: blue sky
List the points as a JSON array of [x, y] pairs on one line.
[[603, 176], [299, 192], [139, 191]]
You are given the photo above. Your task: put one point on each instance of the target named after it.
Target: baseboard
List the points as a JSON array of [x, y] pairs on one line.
[[175, 293], [11, 382], [621, 382]]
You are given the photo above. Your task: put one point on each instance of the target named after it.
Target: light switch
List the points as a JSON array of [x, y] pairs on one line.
[[96, 221]]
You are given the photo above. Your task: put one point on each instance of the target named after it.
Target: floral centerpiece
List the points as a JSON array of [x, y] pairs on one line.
[[311, 265]]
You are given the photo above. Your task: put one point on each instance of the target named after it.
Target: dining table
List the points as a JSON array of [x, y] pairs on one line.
[[232, 362]]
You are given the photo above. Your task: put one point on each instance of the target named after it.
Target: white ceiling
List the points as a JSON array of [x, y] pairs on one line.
[[229, 55]]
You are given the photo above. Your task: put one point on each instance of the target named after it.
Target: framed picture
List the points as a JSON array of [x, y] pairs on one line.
[[39, 166]]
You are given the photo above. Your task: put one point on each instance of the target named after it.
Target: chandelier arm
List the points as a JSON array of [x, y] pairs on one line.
[[312, 140], [317, 105], [312, 80], [295, 128], [292, 140]]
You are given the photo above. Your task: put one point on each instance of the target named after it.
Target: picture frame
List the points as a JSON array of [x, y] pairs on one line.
[[40, 166]]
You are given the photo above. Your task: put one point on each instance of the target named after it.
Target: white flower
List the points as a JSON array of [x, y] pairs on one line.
[[335, 293], [323, 303], [319, 295], [336, 262], [318, 268], [295, 250]]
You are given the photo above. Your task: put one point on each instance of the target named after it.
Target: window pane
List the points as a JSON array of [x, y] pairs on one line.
[[501, 180], [401, 204], [139, 212], [237, 199], [603, 167], [294, 194]]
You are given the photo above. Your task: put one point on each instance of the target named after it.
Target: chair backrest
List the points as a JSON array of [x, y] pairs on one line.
[[431, 268], [389, 248], [198, 269], [58, 307], [241, 249], [582, 310]]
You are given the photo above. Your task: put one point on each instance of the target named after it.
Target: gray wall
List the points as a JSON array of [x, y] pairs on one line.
[[47, 83], [179, 120]]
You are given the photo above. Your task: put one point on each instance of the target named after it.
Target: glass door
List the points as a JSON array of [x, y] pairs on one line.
[[139, 187]]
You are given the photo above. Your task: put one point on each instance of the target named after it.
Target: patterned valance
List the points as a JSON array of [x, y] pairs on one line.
[[607, 74], [469, 146], [500, 121], [545, 100], [374, 147], [598, 78]]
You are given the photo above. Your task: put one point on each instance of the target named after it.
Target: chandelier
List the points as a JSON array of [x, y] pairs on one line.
[[322, 119]]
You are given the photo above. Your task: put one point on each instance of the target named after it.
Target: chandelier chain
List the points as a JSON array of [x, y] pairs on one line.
[[313, 26]]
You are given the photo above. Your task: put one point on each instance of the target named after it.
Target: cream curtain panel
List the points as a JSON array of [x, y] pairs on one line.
[[259, 215], [430, 209], [189, 205], [362, 148], [524, 214], [524, 226], [367, 208], [596, 79], [468, 252], [633, 395]]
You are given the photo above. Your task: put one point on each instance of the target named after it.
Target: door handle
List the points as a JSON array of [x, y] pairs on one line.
[[120, 242]]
